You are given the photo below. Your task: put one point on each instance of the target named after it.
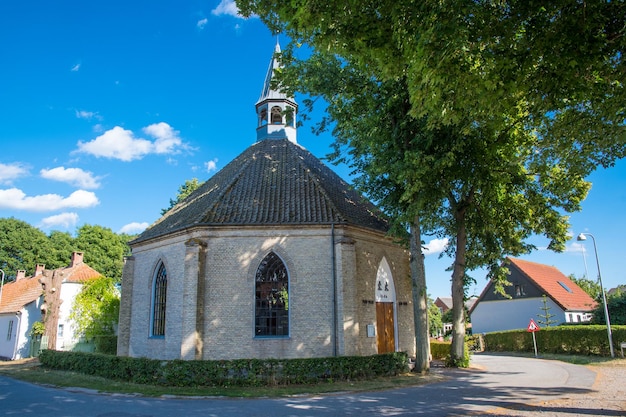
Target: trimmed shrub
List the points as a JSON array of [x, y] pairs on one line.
[[439, 350], [574, 339], [240, 372]]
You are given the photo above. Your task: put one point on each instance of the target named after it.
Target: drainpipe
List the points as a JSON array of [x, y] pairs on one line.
[[334, 266]]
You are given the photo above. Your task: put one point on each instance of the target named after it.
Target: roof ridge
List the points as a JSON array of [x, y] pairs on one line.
[[223, 190], [317, 183]]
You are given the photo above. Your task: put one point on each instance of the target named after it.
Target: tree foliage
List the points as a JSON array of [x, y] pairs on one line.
[[183, 192], [435, 320], [479, 120], [546, 316], [96, 308], [23, 246], [616, 305], [591, 287], [104, 250]]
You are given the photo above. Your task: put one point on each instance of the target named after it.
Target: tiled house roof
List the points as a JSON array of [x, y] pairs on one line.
[[273, 182], [16, 294], [79, 273], [555, 285]]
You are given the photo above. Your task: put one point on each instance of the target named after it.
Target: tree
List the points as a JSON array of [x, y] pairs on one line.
[[104, 250], [62, 248], [589, 286], [96, 308], [183, 191], [558, 61], [22, 246], [435, 322], [546, 316], [616, 304], [497, 109]]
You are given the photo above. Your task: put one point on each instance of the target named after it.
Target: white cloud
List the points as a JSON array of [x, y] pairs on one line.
[[167, 139], [576, 247], [88, 115], [134, 228], [435, 246], [211, 165], [75, 68], [65, 220], [202, 23], [119, 143], [14, 198], [226, 7], [74, 176], [10, 172]]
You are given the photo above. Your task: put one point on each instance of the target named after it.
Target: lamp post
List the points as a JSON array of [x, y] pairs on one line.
[[583, 237]]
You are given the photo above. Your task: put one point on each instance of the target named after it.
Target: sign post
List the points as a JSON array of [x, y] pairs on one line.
[[533, 328]]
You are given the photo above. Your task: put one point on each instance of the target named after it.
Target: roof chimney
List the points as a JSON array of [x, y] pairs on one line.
[[21, 274], [77, 259], [39, 269]]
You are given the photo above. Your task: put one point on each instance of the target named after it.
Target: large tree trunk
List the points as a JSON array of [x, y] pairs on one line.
[[420, 305], [457, 350]]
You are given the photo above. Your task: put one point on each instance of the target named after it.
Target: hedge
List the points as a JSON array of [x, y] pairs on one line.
[[574, 339], [240, 372]]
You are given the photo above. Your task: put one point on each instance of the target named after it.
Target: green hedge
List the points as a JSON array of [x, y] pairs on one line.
[[439, 350], [240, 372], [576, 339]]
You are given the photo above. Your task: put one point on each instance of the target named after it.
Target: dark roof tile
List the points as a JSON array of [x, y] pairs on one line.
[[273, 182]]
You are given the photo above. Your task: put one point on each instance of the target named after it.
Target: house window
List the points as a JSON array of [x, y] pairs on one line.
[[277, 115], [10, 332], [562, 284], [271, 298], [519, 290], [159, 302], [60, 332]]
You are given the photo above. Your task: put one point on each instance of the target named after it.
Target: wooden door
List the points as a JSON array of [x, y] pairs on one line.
[[385, 336]]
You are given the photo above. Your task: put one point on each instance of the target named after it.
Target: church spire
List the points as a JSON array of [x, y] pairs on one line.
[[276, 112]]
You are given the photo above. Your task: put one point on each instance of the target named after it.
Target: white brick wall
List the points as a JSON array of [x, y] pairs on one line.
[[219, 322]]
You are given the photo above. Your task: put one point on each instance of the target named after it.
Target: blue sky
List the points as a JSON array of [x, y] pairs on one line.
[[107, 107]]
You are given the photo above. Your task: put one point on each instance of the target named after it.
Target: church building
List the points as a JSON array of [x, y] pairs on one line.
[[275, 256]]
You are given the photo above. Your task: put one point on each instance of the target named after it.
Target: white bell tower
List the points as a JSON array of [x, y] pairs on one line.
[[276, 113]]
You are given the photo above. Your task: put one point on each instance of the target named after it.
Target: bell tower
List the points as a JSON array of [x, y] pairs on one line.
[[276, 113]]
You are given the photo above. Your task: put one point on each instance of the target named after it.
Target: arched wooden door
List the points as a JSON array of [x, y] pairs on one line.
[[385, 309]]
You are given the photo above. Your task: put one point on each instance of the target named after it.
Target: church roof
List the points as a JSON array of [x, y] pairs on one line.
[[273, 182]]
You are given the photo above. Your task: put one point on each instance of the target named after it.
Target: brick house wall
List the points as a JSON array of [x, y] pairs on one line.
[[210, 293]]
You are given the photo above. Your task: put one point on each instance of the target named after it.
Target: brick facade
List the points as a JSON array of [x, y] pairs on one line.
[[211, 287]]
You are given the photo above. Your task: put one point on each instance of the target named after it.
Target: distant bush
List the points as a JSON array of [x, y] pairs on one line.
[[439, 350], [240, 372], [576, 339]]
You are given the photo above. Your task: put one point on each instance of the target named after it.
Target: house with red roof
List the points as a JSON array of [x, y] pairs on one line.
[[566, 301], [47, 296]]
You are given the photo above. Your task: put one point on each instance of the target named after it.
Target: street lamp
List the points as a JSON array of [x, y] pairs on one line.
[[583, 237]]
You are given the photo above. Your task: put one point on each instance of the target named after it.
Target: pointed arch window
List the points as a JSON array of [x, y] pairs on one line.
[[159, 302], [271, 297], [277, 115]]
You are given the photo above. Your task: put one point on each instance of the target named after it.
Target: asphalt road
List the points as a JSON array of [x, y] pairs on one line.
[[496, 381]]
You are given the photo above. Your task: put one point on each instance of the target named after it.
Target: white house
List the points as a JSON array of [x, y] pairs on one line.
[[20, 307], [48, 297], [566, 301]]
